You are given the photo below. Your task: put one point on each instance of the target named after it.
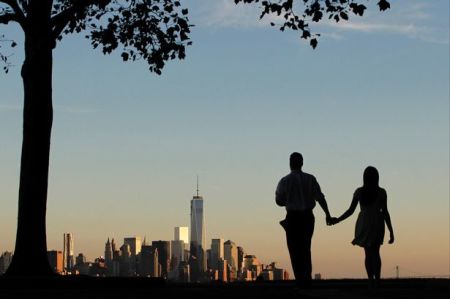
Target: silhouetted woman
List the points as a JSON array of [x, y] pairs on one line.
[[369, 230]]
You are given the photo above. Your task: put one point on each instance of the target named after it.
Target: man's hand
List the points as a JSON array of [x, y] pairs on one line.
[[332, 220], [391, 239]]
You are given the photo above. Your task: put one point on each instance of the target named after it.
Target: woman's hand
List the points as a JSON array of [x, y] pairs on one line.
[[332, 221]]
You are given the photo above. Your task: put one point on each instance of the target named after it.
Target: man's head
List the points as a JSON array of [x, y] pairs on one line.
[[296, 161]]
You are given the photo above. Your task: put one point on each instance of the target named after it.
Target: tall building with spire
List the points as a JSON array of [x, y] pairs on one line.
[[108, 255], [108, 251], [198, 231]]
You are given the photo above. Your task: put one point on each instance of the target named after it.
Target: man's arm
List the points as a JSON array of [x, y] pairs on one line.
[[323, 204], [320, 198], [280, 194]]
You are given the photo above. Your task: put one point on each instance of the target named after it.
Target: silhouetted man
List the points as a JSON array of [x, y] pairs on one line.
[[298, 192]]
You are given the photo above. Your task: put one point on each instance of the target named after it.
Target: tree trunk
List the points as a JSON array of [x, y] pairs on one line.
[[30, 255]]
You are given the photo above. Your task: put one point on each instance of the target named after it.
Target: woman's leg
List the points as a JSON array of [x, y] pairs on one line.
[[376, 262], [369, 262]]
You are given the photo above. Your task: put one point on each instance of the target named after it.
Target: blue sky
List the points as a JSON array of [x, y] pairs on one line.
[[127, 144]]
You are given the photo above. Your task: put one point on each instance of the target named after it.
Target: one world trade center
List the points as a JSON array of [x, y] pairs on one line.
[[198, 234]]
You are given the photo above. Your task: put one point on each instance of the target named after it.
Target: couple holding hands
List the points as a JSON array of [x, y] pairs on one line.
[[298, 192]]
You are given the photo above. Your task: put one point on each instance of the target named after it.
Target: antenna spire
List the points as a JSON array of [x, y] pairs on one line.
[[197, 185]]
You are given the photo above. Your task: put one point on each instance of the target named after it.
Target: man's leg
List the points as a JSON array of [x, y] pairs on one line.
[[305, 249], [294, 251]]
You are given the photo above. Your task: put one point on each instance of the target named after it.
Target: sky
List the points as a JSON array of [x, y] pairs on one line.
[[127, 144]]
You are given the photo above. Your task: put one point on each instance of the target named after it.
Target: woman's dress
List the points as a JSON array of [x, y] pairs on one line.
[[369, 229]]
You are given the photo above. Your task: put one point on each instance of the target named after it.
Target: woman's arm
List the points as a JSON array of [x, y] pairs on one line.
[[387, 219], [350, 210]]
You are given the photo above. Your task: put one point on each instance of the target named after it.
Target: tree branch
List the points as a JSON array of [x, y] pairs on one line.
[[18, 15], [60, 20]]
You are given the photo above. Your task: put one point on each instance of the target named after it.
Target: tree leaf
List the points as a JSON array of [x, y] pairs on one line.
[[313, 42], [383, 4]]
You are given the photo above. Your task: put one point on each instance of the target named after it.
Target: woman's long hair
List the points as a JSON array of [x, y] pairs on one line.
[[370, 185]]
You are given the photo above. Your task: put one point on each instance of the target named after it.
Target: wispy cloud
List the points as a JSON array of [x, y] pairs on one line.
[[409, 29], [412, 20], [424, 33], [417, 11], [226, 14]]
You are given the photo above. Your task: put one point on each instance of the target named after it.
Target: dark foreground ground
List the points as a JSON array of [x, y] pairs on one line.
[[146, 288]]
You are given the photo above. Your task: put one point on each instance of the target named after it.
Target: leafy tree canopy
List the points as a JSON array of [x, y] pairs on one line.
[[158, 30], [153, 30]]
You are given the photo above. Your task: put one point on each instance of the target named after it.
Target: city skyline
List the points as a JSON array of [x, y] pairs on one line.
[[127, 144], [178, 259], [134, 243]]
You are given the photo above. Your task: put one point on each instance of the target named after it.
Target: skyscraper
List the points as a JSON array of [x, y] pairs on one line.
[[80, 259], [149, 265], [135, 245], [222, 266], [240, 260], [198, 231], [183, 272], [231, 254], [177, 248], [55, 259], [181, 233], [108, 253], [179, 245], [216, 253], [164, 254], [108, 257], [125, 257], [68, 255]]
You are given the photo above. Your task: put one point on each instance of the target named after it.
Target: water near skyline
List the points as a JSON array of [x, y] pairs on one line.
[[127, 144]]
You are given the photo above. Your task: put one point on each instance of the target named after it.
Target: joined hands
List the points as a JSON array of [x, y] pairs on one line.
[[332, 220]]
